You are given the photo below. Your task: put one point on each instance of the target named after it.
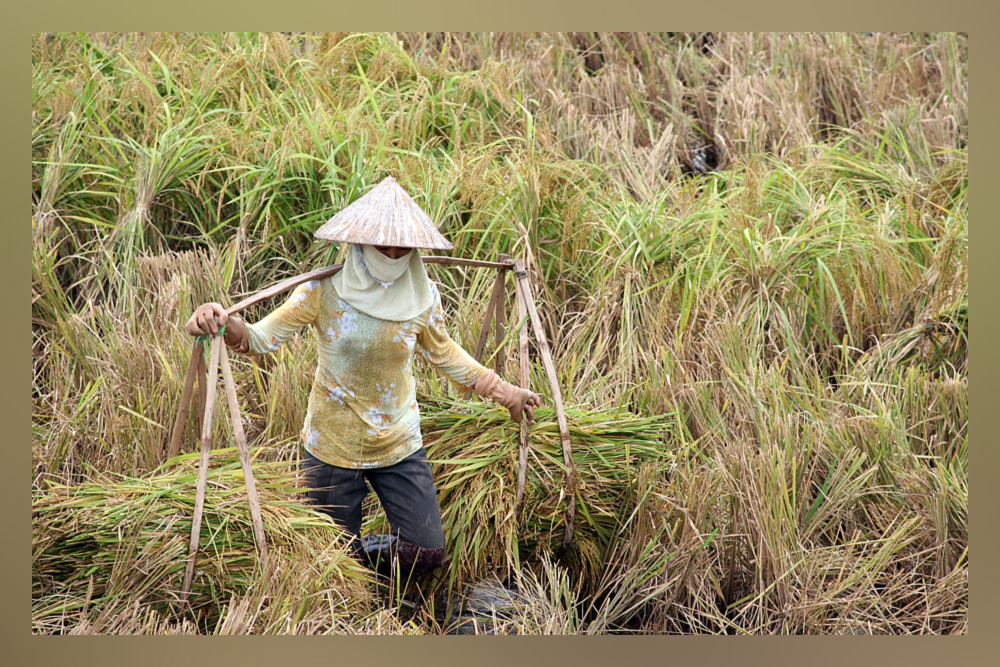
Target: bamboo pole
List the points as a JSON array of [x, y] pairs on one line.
[[283, 286], [206, 447], [241, 445], [180, 423], [458, 261], [484, 332], [521, 279], [488, 319], [288, 284], [522, 454], [501, 319], [201, 374]]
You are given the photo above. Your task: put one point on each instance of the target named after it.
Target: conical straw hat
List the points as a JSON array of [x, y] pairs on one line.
[[385, 216]]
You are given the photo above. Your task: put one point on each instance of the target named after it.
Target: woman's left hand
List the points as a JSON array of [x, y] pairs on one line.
[[517, 400], [523, 400]]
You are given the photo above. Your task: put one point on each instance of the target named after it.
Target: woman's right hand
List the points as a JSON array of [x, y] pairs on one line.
[[207, 319]]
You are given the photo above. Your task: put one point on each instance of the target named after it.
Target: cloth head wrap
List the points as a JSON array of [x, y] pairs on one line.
[[385, 288]]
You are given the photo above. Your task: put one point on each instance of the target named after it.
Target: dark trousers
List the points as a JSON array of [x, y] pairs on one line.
[[406, 491]]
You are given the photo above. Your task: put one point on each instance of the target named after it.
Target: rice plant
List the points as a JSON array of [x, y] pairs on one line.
[[750, 254]]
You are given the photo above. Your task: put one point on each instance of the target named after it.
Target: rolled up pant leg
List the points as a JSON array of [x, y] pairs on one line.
[[407, 492]]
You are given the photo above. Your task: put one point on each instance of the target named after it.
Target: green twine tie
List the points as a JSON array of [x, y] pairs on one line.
[[208, 339]]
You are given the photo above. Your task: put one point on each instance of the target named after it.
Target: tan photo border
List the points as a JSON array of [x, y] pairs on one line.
[[21, 648]]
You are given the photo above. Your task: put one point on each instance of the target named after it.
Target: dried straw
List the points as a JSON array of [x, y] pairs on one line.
[[122, 538]]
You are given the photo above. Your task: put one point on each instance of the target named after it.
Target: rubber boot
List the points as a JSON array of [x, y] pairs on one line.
[[379, 553]]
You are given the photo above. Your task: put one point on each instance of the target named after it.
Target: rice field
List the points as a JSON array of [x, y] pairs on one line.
[[750, 256]]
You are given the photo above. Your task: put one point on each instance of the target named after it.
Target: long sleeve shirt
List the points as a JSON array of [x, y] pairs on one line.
[[363, 411]]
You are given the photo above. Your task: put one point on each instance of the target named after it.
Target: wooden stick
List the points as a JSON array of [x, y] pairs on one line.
[[488, 320], [283, 286], [501, 319], [484, 332], [206, 447], [241, 445], [522, 456], [288, 284], [521, 277], [202, 375], [180, 422], [458, 261]]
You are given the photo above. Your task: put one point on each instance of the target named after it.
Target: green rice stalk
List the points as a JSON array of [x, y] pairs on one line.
[[473, 448]]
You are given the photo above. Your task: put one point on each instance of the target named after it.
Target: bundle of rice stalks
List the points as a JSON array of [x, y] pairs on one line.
[[473, 448], [116, 539]]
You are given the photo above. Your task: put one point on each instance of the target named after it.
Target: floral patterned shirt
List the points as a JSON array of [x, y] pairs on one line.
[[363, 410]]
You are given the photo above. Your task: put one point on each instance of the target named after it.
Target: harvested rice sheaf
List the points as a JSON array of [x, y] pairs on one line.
[[473, 448], [113, 538]]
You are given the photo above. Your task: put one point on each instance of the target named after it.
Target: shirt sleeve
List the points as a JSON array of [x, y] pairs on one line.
[[301, 308], [445, 354]]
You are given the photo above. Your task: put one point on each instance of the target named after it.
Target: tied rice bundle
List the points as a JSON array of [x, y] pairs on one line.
[[122, 538], [473, 449]]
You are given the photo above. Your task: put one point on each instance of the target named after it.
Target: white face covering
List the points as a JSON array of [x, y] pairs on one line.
[[385, 288], [381, 267]]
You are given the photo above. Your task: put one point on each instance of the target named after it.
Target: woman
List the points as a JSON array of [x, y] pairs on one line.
[[363, 421]]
